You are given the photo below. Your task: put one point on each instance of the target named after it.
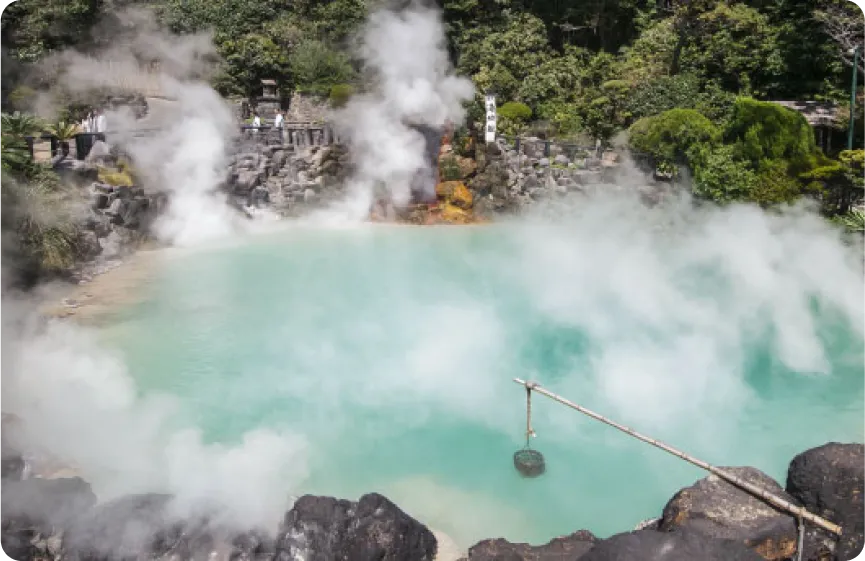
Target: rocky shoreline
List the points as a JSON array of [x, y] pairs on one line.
[[54, 519]]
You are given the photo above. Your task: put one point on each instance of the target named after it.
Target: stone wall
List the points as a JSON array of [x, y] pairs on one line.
[[289, 180], [306, 108], [508, 180]]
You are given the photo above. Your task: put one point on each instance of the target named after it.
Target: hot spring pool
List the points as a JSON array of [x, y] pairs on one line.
[[391, 350]]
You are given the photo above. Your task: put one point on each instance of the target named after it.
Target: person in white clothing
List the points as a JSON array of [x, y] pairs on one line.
[[256, 122], [101, 125], [277, 123]]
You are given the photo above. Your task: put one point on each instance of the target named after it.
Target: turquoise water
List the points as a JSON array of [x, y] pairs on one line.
[[392, 351]]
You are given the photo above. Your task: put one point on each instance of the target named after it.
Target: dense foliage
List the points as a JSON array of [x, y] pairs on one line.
[[35, 203], [587, 70]]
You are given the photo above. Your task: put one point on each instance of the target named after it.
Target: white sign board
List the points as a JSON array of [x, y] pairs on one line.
[[490, 125]]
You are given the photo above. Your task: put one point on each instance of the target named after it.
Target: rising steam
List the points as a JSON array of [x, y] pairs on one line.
[[413, 83], [665, 300], [182, 145]]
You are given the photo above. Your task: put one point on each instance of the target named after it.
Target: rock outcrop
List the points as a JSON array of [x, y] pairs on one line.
[[11, 464], [565, 548], [37, 512], [291, 181], [119, 218], [644, 545], [717, 509], [828, 481], [372, 529], [58, 519]]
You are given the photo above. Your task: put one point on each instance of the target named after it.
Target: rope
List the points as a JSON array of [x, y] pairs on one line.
[[529, 432], [800, 546], [760, 493]]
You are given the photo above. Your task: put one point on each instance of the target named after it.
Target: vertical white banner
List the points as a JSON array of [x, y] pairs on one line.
[[490, 125]]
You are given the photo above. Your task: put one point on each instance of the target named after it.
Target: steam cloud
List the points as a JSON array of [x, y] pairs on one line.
[[405, 55], [76, 401], [182, 145], [691, 285]]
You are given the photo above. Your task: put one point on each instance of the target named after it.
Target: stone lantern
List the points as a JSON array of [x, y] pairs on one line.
[[269, 102]]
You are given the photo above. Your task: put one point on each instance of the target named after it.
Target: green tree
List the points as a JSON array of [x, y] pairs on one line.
[[228, 19], [502, 59], [677, 136], [317, 68], [247, 61], [723, 178], [761, 131], [840, 182], [33, 28], [513, 117], [664, 93], [606, 112], [737, 45]]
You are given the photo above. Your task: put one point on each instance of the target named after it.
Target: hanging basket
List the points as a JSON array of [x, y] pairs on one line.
[[530, 463]]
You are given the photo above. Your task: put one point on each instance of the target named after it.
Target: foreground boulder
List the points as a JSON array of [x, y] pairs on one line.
[[685, 545], [715, 508], [565, 548], [372, 529], [11, 464], [36, 512], [144, 527], [828, 481]]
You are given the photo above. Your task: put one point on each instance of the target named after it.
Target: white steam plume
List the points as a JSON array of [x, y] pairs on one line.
[[181, 147], [77, 403], [404, 53]]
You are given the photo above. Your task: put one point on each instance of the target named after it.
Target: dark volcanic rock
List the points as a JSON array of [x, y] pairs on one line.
[[565, 548], [372, 529], [11, 462], [54, 501], [143, 527], [37, 511], [828, 481], [715, 508], [123, 528], [651, 545]]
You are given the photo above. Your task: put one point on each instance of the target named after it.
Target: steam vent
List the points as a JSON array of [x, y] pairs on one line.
[[433, 201]]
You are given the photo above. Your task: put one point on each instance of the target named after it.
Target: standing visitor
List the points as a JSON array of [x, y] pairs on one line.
[[101, 124], [256, 122], [277, 123]]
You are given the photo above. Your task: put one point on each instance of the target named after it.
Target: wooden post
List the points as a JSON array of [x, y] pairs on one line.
[[758, 492]]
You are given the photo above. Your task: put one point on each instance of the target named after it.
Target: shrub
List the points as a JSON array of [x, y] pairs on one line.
[[562, 116], [339, 94], [775, 185], [449, 169], [665, 93], [316, 67], [723, 178], [516, 111], [762, 130], [513, 116], [682, 136]]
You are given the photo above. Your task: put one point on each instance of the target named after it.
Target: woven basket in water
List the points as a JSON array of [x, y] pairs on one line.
[[530, 463]]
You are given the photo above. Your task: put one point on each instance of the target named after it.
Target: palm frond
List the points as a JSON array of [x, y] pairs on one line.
[[63, 130], [14, 153], [853, 221], [19, 125]]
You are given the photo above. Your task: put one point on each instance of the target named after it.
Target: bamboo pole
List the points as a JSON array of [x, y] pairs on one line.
[[775, 501]]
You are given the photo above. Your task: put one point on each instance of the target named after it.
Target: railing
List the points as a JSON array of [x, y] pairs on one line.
[[570, 149], [299, 135]]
